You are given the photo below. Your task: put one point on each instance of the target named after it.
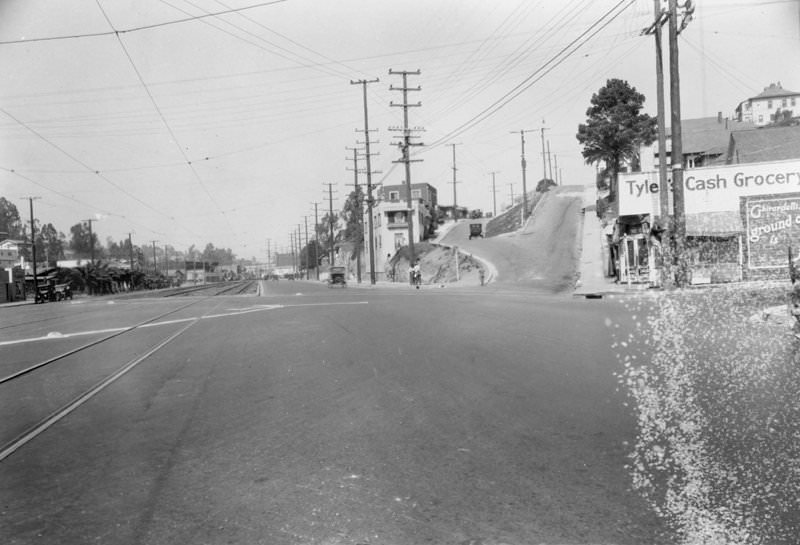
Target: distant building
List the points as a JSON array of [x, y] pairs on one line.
[[9, 253], [762, 108], [459, 212]]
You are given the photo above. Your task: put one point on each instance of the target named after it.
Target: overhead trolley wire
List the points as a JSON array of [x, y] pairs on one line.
[[139, 28], [537, 75], [164, 121], [84, 165]]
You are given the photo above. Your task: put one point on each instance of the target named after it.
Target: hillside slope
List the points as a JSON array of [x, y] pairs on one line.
[[544, 254]]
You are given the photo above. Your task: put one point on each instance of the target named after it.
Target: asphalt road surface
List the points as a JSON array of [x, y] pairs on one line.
[[313, 415], [544, 254]]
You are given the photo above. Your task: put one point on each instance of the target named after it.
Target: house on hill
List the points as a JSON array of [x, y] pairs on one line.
[[763, 108]]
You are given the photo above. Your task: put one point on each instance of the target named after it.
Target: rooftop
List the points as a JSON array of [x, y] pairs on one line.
[[766, 144], [708, 135], [775, 90]]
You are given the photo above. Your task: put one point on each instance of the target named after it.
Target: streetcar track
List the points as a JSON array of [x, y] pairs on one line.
[[44, 424], [88, 345], [37, 429]]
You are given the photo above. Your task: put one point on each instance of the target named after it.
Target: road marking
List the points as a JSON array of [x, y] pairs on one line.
[[230, 312], [60, 414]]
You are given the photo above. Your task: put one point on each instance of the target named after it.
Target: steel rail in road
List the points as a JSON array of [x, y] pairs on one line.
[[68, 353], [240, 287], [39, 428]]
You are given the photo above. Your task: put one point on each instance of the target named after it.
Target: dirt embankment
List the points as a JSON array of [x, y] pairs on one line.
[[438, 265]]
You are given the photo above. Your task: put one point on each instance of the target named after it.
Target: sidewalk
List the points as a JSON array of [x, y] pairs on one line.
[[592, 282]]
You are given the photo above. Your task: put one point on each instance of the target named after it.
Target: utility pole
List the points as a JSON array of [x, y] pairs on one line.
[[544, 159], [524, 182], [33, 249], [269, 258], [494, 197], [406, 149], [291, 251], [308, 253], [91, 240], [330, 220], [558, 178], [166, 259], [677, 145], [130, 249], [661, 18], [370, 201], [549, 162], [316, 238], [360, 218], [455, 206], [299, 240], [511, 187], [155, 261]]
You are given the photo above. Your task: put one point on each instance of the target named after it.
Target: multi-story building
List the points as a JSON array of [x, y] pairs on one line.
[[391, 215], [762, 108]]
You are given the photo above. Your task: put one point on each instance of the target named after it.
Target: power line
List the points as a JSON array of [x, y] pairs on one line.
[[84, 165], [538, 74], [164, 120], [139, 28]]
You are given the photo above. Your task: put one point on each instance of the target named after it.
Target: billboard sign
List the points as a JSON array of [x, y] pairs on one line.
[[710, 189], [772, 224]]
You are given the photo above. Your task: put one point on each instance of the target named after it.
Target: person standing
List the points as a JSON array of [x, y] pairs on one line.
[[416, 274], [388, 268]]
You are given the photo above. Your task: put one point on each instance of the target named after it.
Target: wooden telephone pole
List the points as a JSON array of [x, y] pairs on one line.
[[406, 147], [370, 201]]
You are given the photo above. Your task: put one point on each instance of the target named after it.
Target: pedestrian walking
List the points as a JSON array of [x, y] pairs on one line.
[[416, 274]]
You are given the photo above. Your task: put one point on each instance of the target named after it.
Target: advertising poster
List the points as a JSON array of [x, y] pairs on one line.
[[772, 223]]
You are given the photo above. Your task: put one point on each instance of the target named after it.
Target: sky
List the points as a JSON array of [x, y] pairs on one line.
[[189, 122]]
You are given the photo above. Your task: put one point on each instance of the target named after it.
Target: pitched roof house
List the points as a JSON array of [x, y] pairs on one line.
[[765, 144], [705, 141], [763, 108]]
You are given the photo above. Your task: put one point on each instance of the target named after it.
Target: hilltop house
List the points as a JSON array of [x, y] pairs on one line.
[[763, 108]]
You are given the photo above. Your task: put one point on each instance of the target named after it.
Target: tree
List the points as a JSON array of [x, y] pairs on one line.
[[352, 215], [50, 244], [615, 128], [323, 231], [783, 118], [544, 185], [217, 256], [81, 244], [10, 222]]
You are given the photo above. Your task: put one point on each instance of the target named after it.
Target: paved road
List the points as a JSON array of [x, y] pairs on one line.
[[544, 254], [322, 416]]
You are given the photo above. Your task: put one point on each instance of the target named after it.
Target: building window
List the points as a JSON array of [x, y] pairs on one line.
[[793, 102], [783, 102], [769, 104], [394, 195], [760, 118], [416, 193]]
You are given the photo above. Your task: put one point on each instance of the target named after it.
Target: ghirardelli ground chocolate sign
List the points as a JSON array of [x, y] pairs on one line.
[[772, 224]]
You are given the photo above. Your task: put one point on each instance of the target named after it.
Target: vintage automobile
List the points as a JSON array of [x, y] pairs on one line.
[[336, 277], [475, 230]]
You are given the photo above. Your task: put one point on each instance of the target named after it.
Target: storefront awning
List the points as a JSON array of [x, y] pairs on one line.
[[714, 224]]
